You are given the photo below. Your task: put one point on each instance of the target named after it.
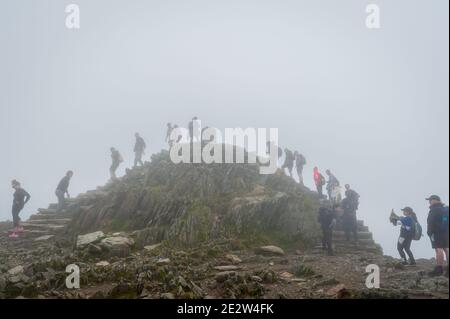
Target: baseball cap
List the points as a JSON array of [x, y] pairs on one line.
[[434, 197]]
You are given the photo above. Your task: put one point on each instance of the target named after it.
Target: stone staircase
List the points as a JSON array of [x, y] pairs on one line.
[[365, 240], [46, 224]]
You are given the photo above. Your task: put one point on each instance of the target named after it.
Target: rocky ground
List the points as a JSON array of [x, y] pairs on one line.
[[111, 267]]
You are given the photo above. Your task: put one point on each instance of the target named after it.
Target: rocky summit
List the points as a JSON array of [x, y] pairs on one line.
[[198, 231]]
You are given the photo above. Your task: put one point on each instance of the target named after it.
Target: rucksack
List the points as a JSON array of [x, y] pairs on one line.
[[444, 220], [417, 231]]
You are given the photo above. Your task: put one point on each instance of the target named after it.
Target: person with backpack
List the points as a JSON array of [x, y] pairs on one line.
[[407, 233], [139, 150], [300, 162], [327, 221], [332, 185], [21, 198], [116, 161], [288, 161], [349, 220], [437, 230], [169, 132], [62, 189], [320, 181], [353, 195]]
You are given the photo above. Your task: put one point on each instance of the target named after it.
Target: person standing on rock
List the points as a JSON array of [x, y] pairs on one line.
[[353, 195], [21, 198], [62, 189], [349, 220], [168, 132], [327, 221], [194, 132], [320, 181], [332, 184], [407, 223], [117, 159], [139, 150], [288, 161], [300, 162], [438, 231]]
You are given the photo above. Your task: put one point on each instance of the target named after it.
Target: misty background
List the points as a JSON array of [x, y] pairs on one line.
[[371, 105]]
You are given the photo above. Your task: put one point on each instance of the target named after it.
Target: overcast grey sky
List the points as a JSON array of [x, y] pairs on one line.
[[372, 105]]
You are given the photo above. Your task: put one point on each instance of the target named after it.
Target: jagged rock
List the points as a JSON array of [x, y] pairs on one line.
[[16, 271], [225, 275], [163, 261], [117, 246], [226, 268], [338, 291], [102, 264], [257, 278], [44, 238], [84, 240], [167, 295], [270, 250], [233, 258], [152, 247], [198, 292]]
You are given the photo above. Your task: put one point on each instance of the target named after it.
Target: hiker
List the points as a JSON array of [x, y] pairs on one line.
[[438, 232], [193, 134], [168, 132], [353, 195], [21, 197], [139, 150], [407, 223], [332, 184], [62, 189], [288, 161], [116, 161], [300, 162], [349, 220], [319, 180], [327, 221]]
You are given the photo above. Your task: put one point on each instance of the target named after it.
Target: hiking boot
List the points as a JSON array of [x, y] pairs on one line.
[[404, 262], [438, 271], [412, 263], [14, 235]]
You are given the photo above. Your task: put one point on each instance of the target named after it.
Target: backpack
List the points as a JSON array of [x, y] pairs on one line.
[[444, 220], [417, 231]]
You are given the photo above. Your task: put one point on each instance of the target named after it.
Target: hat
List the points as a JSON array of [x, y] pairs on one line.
[[434, 197], [408, 210]]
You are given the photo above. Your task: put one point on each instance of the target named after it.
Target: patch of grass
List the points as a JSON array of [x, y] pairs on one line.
[[302, 271]]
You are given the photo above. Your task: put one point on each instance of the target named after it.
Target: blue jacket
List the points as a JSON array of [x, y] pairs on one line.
[[407, 229]]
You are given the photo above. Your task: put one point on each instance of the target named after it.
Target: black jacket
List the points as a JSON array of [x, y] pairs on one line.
[[434, 221], [21, 197], [326, 218]]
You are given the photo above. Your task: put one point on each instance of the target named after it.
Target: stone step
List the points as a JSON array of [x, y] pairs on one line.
[[339, 227], [60, 221], [50, 227], [341, 235], [48, 210]]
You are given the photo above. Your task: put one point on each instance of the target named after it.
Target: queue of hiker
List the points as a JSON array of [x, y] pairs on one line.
[[333, 208]]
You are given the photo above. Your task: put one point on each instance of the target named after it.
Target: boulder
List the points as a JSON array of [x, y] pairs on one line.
[[224, 275], [152, 247], [117, 245], [91, 238], [16, 271], [226, 268], [270, 250], [233, 259]]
